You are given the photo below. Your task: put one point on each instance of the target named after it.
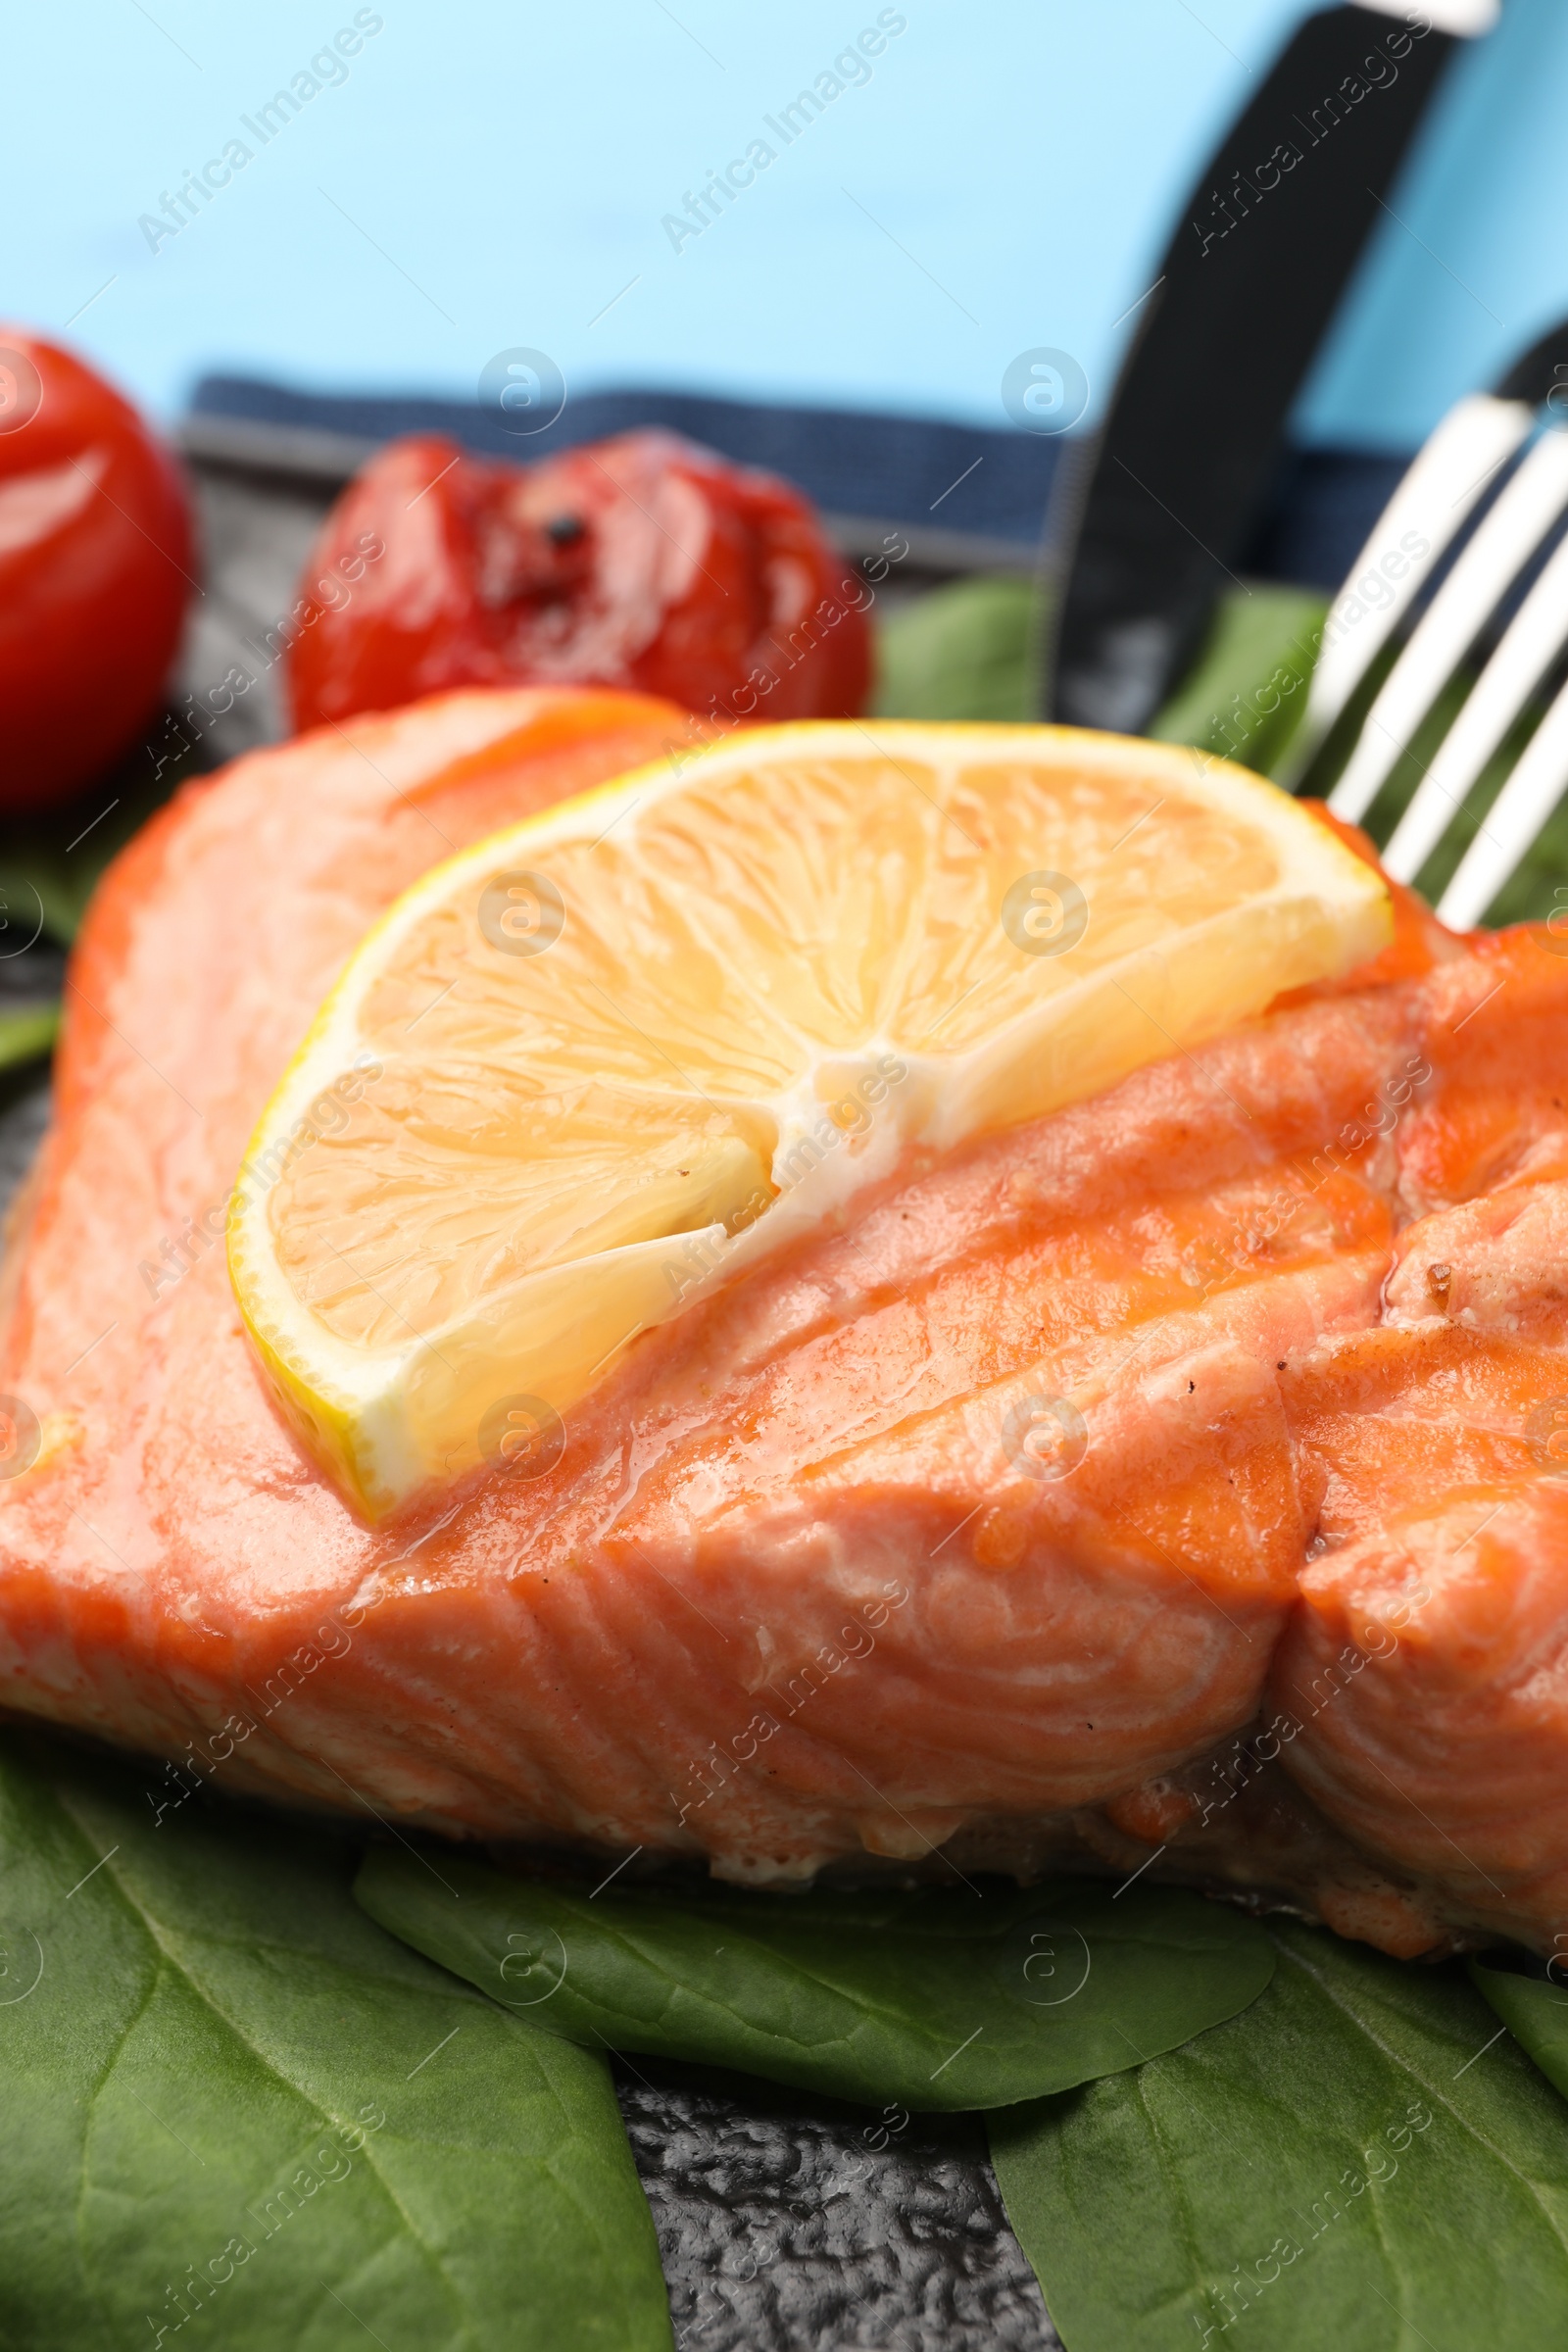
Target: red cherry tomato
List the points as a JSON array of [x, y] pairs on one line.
[[95, 564], [643, 561]]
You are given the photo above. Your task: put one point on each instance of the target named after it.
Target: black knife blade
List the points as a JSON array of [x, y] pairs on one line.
[[1151, 516]]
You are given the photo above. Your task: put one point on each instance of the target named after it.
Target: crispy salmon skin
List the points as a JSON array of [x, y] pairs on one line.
[[1177, 1473]]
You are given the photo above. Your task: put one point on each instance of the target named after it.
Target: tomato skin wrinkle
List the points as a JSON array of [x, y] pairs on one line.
[[96, 552], [641, 562]]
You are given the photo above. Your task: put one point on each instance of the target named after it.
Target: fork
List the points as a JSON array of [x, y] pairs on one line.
[[1521, 424]]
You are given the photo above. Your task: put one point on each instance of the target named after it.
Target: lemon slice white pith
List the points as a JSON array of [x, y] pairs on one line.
[[621, 1047]]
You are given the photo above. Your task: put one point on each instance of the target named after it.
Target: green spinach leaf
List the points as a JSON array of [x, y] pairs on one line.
[[963, 651], [1535, 2011], [27, 1031], [234, 2109], [971, 650], [1354, 2162], [934, 1999], [1243, 696]]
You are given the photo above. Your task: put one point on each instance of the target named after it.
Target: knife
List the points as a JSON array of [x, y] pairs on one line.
[[1152, 514]]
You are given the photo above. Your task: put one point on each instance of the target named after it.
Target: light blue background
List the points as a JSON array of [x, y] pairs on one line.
[[493, 176]]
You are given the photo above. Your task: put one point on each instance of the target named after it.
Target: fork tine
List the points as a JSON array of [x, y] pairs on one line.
[[1436, 492], [1533, 637], [1512, 822], [1524, 510]]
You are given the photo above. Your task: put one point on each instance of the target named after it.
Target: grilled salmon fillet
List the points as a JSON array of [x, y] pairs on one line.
[[1279, 1598]]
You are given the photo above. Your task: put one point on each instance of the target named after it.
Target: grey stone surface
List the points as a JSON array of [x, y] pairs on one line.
[[256, 535], [787, 2224], [23, 1116]]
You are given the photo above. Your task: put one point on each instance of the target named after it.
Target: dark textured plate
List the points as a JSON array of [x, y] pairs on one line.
[[787, 2222]]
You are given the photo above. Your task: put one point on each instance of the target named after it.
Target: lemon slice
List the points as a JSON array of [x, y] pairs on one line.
[[609, 1056]]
